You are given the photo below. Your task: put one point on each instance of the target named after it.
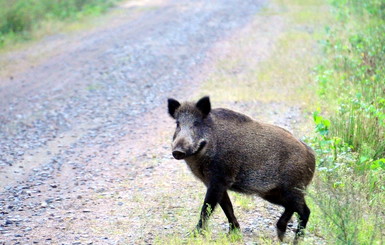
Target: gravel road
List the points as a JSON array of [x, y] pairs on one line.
[[83, 124]]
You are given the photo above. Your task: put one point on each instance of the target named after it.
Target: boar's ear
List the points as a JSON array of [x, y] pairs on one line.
[[172, 106], [204, 105]]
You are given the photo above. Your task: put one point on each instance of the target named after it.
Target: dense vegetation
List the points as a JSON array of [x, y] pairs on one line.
[[19, 17], [350, 188]]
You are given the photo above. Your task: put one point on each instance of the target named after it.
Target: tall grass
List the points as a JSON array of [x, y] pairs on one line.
[[19, 17], [349, 192], [353, 76]]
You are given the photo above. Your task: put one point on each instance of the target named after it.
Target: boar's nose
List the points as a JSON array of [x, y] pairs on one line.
[[178, 154]]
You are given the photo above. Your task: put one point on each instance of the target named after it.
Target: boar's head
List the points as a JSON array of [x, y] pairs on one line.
[[192, 127]]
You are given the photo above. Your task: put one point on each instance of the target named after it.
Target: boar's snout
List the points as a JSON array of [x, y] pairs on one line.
[[179, 154]]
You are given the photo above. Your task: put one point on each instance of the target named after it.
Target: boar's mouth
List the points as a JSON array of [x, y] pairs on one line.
[[201, 145], [180, 154]]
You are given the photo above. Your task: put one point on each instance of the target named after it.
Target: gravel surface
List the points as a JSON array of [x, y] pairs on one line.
[[83, 132], [112, 76]]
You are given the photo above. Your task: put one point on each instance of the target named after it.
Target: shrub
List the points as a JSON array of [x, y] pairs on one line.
[[349, 189], [353, 76], [19, 17]]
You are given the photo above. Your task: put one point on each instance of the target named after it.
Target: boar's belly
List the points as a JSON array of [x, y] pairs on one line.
[[255, 184]]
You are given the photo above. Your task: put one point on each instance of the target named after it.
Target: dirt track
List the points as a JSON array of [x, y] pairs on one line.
[[84, 134]]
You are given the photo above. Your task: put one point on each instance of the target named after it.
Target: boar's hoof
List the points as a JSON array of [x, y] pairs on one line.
[[280, 234]]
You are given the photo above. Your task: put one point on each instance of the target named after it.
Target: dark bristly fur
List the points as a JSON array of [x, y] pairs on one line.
[[227, 150]]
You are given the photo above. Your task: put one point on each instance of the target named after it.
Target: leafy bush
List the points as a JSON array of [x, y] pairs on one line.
[[19, 17], [353, 76], [349, 189]]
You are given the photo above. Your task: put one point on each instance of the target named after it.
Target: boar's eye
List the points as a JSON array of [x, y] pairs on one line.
[[177, 124], [196, 123]]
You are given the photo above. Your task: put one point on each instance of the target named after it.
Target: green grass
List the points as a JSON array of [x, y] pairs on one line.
[[348, 195], [206, 238], [19, 19], [243, 201], [352, 79]]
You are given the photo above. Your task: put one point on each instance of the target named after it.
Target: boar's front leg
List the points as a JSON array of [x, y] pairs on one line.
[[214, 194], [229, 211]]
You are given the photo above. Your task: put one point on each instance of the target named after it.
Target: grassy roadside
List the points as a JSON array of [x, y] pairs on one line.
[[22, 20], [349, 191]]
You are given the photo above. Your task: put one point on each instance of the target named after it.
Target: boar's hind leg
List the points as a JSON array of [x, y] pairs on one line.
[[293, 202], [229, 211], [304, 213], [282, 222]]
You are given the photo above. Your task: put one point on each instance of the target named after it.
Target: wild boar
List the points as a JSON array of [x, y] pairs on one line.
[[227, 150]]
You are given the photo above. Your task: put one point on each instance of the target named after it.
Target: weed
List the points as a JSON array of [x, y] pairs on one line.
[[352, 76], [18, 18], [208, 237], [348, 190], [245, 202], [348, 193]]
